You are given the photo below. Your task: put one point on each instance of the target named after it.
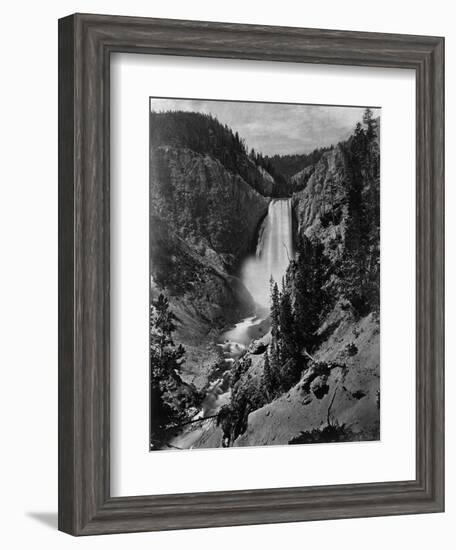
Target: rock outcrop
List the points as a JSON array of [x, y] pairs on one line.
[[320, 208], [214, 210]]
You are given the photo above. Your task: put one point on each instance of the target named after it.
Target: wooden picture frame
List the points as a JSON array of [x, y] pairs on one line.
[[85, 45]]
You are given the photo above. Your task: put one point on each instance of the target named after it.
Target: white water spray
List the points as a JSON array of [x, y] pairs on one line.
[[273, 254]]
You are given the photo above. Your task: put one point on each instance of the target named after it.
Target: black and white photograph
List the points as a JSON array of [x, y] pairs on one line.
[[223, 287], [264, 274]]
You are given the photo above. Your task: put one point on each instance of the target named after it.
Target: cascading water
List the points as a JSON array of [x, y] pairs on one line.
[[273, 254]]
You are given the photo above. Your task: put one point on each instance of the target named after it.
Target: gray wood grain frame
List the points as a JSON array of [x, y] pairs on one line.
[[85, 45]]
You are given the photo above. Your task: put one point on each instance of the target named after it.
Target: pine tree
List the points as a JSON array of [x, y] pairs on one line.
[[289, 349], [361, 261], [356, 231], [275, 309], [310, 300], [269, 379], [169, 397], [370, 122], [287, 327], [165, 356], [275, 336], [275, 369]]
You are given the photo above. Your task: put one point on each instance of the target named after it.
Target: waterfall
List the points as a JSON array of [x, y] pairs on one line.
[[273, 254]]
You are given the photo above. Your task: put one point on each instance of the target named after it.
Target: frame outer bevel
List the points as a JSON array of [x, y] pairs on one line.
[[66, 162], [85, 45]]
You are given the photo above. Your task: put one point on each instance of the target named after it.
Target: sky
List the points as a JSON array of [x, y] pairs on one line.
[[274, 128]]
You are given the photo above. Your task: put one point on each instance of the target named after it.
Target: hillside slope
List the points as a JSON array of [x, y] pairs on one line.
[[345, 397]]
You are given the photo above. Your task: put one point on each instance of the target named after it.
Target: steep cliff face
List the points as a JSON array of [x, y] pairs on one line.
[[300, 179], [214, 210], [320, 208], [197, 283]]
